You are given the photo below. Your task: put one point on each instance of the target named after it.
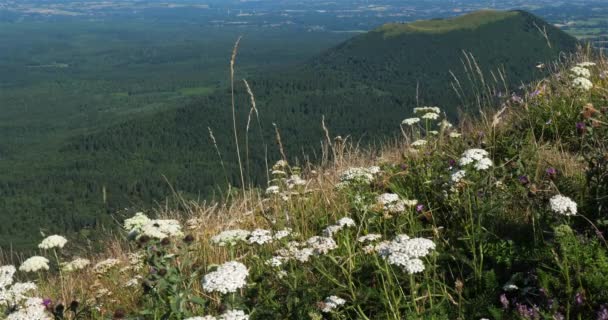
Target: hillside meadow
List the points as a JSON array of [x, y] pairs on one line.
[[501, 216]]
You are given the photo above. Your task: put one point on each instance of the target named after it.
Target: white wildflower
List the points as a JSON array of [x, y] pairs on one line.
[[260, 236], [106, 265], [483, 164], [202, 318], [34, 264], [405, 252], [234, 315], [54, 241], [273, 190], [419, 143], [228, 278], [454, 135], [303, 255], [230, 237], [582, 84], [369, 237], [332, 302], [136, 223], [458, 176], [76, 264], [445, 124], [34, 310], [346, 222], [478, 157], [16, 293], [363, 175], [427, 110], [321, 245], [580, 72], [6, 275], [391, 202], [430, 116], [563, 205], [410, 121], [282, 234], [161, 229], [275, 261]]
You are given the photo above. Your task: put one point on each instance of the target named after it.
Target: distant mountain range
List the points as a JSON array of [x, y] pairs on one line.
[[363, 87]]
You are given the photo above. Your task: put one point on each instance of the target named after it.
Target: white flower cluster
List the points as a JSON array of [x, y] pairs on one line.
[[34, 264], [228, 278], [106, 265], [410, 121], [563, 205], [33, 309], [228, 315], [294, 251], [54, 241], [582, 84], [345, 222], [392, 203], [260, 236], [331, 303], [76, 264], [458, 176], [359, 174], [430, 116], [419, 143], [15, 297], [479, 158], [579, 71], [581, 76], [369, 237], [230, 237], [427, 110], [406, 252], [140, 225], [454, 135], [321, 245]]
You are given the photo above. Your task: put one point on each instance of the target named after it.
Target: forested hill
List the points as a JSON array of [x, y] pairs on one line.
[[363, 87]]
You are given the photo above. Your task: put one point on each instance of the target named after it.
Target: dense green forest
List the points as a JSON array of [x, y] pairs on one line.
[[363, 87]]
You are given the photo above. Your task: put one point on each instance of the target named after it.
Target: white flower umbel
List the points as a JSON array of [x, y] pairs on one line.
[[54, 241], [331, 303], [17, 293], [419, 143], [582, 84], [359, 174], [406, 252], [369, 237], [202, 318], [273, 190], [76, 264], [458, 176], [230, 237], [137, 222], [6, 275], [106, 265], [430, 116], [454, 135], [161, 229], [260, 236], [345, 222], [228, 278], [479, 158], [34, 309], [34, 264], [580, 72], [321, 245], [427, 110], [410, 121], [234, 315], [563, 205], [391, 203], [282, 234]]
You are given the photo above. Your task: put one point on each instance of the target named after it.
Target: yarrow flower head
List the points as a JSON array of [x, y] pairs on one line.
[[321, 245], [105, 265], [419, 143], [582, 84], [586, 64], [427, 110], [34, 264], [331, 303], [140, 224], [230, 237], [260, 236], [345, 222], [458, 176], [54, 241], [359, 174], [369, 237], [228, 278], [430, 116], [76, 264], [406, 252], [479, 158], [563, 205], [410, 121], [580, 72], [6, 275]]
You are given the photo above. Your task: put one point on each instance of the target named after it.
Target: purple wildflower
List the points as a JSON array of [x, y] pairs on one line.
[[602, 314], [504, 301], [524, 179], [403, 166], [551, 172], [580, 127], [420, 208], [47, 302]]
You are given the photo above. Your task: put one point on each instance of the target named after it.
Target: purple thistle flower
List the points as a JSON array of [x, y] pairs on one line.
[[524, 179], [420, 208], [551, 172], [47, 302], [581, 127], [504, 301], [452, 162]]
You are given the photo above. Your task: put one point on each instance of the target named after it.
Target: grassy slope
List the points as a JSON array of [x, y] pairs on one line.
[[494, 229]]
